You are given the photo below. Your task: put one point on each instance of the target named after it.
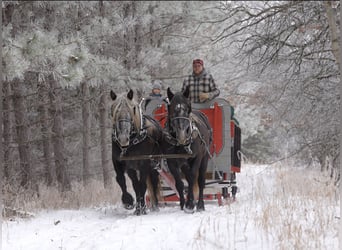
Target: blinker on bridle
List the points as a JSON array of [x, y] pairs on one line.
[[189, 138], [116, 123]]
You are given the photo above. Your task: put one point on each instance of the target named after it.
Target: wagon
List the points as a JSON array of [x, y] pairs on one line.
[[225, 151]]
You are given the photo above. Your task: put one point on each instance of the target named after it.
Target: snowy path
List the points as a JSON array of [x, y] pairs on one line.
[[116, 228], [236, 226]]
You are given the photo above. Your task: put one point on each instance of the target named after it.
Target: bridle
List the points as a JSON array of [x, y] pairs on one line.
[[172, 136], [115, 126], [136, 135]]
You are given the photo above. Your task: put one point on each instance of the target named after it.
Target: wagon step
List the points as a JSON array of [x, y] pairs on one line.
[[151, 157]]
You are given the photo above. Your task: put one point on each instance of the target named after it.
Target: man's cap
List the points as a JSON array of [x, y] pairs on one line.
[[197, 61]]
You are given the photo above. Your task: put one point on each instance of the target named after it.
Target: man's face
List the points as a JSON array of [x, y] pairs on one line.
[[197, 68]]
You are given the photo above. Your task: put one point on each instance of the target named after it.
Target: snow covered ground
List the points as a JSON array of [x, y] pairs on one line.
[[274, 210]]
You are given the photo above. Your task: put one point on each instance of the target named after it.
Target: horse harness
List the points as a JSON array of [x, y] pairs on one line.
[[195, 132], [136, 137]]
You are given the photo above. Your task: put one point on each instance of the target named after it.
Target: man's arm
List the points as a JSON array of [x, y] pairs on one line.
[[185, 83], [215, 92]]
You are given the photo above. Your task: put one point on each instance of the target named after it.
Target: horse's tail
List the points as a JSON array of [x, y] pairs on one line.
[[153, 187]]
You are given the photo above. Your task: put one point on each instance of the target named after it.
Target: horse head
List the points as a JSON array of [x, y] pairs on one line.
[[125, 114], [179, 111]]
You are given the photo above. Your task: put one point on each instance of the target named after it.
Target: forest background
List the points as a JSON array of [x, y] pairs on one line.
[[276, 62]]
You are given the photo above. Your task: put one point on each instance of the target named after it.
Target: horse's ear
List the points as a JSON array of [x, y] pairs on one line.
[[170, 95], [130, 94], [112, 95], [186, 92]]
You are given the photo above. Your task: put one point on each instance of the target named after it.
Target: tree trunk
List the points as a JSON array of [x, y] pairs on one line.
[[333, 32], [106, 170], [107, 173], [152, 37], [50, 171], [101, 8], [137, 35], [126, 38], [2, 167], [22, 134], [58, 136], [85, 132], [6, 130]]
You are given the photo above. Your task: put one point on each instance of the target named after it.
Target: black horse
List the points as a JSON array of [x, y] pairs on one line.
[[187, 132], [134, 134]]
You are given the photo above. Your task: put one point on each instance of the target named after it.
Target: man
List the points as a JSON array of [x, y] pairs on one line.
[[202, 84]]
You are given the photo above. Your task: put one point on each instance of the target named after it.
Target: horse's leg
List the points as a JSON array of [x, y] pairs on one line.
[[190, 175], [138, 190], [174, 169], [126, 197], [154, 177], [132, 174], [201, 182], [143, 187]]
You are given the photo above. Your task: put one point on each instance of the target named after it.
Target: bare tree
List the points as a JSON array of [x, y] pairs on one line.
[[50, 170], [58, 135], [331, 16], [85, 131], [107, 174], [291, 47], [22, 133], [6, 129]]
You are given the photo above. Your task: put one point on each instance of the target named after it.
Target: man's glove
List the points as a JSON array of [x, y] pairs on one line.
[[203, 96]]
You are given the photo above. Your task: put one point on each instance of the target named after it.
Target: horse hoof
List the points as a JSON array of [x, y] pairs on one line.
[[155, 209], [128, 200], [129, 206], [200, 209], [139, 212], [189, 210], [140, 209], [200, 206]]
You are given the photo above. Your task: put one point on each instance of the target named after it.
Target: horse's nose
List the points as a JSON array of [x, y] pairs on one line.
[[182, 137], [123, 140]]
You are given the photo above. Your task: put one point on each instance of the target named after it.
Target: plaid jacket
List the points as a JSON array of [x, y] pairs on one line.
[[201, 83]]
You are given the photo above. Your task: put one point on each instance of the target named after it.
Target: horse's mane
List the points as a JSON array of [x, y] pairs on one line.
[[179, 97]]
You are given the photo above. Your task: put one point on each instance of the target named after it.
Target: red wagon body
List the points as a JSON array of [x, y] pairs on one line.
[[225, 150]]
